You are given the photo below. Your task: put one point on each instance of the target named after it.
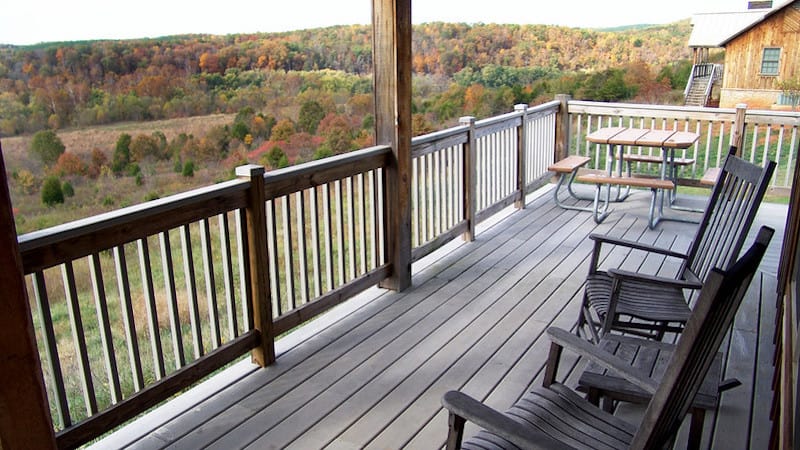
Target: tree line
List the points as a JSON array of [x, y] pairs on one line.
[[60, 85]]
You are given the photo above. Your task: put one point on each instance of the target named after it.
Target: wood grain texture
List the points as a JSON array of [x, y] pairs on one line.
[[25, 421]]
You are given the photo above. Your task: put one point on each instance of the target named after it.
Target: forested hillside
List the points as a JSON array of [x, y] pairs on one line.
[[91, 126], [89, 83]]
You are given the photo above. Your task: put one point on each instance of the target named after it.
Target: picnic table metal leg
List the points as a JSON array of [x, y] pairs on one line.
[[570, 191], [600, 213]]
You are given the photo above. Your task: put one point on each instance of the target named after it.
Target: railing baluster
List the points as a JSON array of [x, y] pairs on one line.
[[76, 325], [381, 183], [362, 210], [244, 269], [351, 228], [272, 248], [416, 240], [288, 259], [150, 306], [327, 225], [315, 244], [337, 189], [440, 198], [424, 190], [449, 186], [191, 291], [104, 326], [172, 299], [431, 189], [51, 358], [301, 247], [754, 144], [227, 276], [128, 322], [790, 163], [778, 151], [375, 230], [211, 285], [766, 144]]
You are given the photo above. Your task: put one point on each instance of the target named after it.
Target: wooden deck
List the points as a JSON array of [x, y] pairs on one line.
[[371, 373]]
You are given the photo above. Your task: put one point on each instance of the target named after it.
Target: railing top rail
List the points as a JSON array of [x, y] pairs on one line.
[[438, 135], [315, 173], [544, 106], [660, 111], [44, 248], [504, 119], [791, 118], [683, 112]]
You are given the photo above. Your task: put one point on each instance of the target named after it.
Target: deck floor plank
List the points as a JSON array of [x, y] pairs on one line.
[[474, 320]]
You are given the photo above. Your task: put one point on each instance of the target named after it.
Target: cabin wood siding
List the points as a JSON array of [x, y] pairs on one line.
[[744, 53]]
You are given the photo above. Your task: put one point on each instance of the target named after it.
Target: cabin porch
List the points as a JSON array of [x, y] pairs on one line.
[[370, 372]]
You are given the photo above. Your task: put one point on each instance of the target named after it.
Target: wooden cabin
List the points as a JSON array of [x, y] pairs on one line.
[[760, 56]]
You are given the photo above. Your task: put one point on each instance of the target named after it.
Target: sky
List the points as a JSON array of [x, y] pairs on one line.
[[25, 22]]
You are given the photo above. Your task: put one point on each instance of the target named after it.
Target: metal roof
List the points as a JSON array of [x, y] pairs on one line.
[[712, 29], [717, 29]]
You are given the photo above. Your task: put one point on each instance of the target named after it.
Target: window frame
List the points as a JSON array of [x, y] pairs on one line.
[[772, 62]]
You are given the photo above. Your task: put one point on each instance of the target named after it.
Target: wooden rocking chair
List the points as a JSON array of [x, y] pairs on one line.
[[554, 416], [650, 306]]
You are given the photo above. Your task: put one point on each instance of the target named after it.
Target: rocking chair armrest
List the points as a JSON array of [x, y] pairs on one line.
[[466, 407], [600, 356], [604, 239], [624, 275]]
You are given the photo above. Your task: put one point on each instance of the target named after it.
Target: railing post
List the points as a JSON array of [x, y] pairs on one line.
[[521, 152], [470, 177], [738, 128], [391, 55], [562, 127], [264, 354], [25, 421]]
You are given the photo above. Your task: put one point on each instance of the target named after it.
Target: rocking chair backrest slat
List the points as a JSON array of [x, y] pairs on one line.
[[697, 346], [729, 215]]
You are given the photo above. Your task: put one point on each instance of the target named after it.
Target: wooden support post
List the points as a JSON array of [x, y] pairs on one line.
[[391, 28], [264, 354], [24, 412], [470, 178], [739, 128], [522, 145], [562, 128]]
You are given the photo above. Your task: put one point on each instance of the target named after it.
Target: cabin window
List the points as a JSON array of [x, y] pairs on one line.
[[770, 60]]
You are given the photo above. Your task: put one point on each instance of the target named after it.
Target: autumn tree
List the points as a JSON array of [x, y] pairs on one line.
[[282, 130], [337, 132], [122, 153], [420, 125], [69, 164], [311, 113], [144, 147], [276, 158], [52, 192], [46, 146]]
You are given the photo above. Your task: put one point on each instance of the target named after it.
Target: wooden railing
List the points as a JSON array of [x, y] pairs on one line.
[[138, 304], [135, 305], [463, 175], [124, 319], [759, 135]]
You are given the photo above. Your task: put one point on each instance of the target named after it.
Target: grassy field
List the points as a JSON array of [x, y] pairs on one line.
[[107, 192]]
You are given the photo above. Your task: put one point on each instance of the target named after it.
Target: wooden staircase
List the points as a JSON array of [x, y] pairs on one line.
[[697, 92], [698, 88]]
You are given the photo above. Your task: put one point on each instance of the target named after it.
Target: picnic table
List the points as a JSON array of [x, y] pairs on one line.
[[617, 138]]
